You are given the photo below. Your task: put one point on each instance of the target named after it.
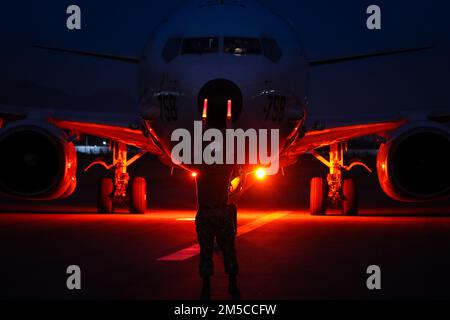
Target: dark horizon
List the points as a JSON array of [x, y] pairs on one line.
[[413, 81]]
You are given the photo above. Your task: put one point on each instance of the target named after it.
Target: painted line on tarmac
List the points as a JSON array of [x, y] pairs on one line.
[[194, 250]]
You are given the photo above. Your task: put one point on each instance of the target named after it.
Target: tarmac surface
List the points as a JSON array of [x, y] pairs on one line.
[[283, 254]]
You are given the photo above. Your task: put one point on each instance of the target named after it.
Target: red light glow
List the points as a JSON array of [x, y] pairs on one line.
[[205, 109], [229, 110], [260, 173]]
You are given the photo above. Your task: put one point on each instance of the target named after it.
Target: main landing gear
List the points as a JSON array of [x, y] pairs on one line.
[[335, 191], [119, 190]]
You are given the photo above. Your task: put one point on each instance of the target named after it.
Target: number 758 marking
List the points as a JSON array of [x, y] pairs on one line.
[[275, 108], [168, 107]]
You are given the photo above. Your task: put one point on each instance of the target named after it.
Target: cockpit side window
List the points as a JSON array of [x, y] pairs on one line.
[[200, 45], [271, 49], [242, 46], [172, 49]]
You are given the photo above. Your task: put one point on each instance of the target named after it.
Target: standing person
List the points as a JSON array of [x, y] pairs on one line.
[[215, 220]]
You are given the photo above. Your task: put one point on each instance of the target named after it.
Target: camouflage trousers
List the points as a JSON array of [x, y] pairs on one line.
[[217, 224]]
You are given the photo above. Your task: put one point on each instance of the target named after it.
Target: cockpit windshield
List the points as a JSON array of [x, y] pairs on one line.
[[242, 46], [238, 46], [200, 45]]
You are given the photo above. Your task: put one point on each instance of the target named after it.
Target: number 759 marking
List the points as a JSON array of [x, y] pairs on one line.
[[275, 108]]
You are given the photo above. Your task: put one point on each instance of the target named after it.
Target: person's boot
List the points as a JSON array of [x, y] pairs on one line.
[[205, 294], [233, 289]]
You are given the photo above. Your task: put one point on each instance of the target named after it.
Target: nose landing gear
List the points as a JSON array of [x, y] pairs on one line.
[[118, 190], [335, 191]]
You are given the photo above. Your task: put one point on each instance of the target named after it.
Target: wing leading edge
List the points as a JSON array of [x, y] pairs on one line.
[[340, 131], [103, 125], [321, 138]]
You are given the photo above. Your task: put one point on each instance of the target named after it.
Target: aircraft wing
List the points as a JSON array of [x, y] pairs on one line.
[[337, 131], [118, 127]]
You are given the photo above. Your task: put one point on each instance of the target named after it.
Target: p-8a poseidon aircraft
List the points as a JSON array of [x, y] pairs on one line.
[[228, 65]]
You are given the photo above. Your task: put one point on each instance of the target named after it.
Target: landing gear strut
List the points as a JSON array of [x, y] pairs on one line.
[[335, 191], [119, 190]]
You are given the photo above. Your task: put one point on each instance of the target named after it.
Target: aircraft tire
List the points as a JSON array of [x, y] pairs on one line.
[[350, 200], [105, 201], [138, 196], [318, 196]]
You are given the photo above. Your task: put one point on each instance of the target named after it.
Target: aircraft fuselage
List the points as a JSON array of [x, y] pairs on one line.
[[247, 55]]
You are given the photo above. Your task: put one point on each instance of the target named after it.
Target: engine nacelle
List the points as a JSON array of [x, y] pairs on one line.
[[37, 162], [414, 165]]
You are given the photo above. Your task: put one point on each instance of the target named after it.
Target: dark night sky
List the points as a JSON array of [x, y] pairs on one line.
[[328, 28]]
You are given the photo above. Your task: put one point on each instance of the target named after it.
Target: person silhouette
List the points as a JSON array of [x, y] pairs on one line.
[[216, 221]]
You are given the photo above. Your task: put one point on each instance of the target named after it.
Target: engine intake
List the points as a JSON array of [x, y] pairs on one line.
[[413, 165], [37, 162]]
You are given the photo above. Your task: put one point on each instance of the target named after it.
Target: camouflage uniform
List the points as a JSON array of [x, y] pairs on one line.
[[216, 223], [215, 220]]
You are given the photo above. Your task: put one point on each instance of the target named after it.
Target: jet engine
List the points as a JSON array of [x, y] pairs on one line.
[[414, 165], [37, 161]]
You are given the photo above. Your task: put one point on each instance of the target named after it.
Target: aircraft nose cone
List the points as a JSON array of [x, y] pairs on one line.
[[222, 100]]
